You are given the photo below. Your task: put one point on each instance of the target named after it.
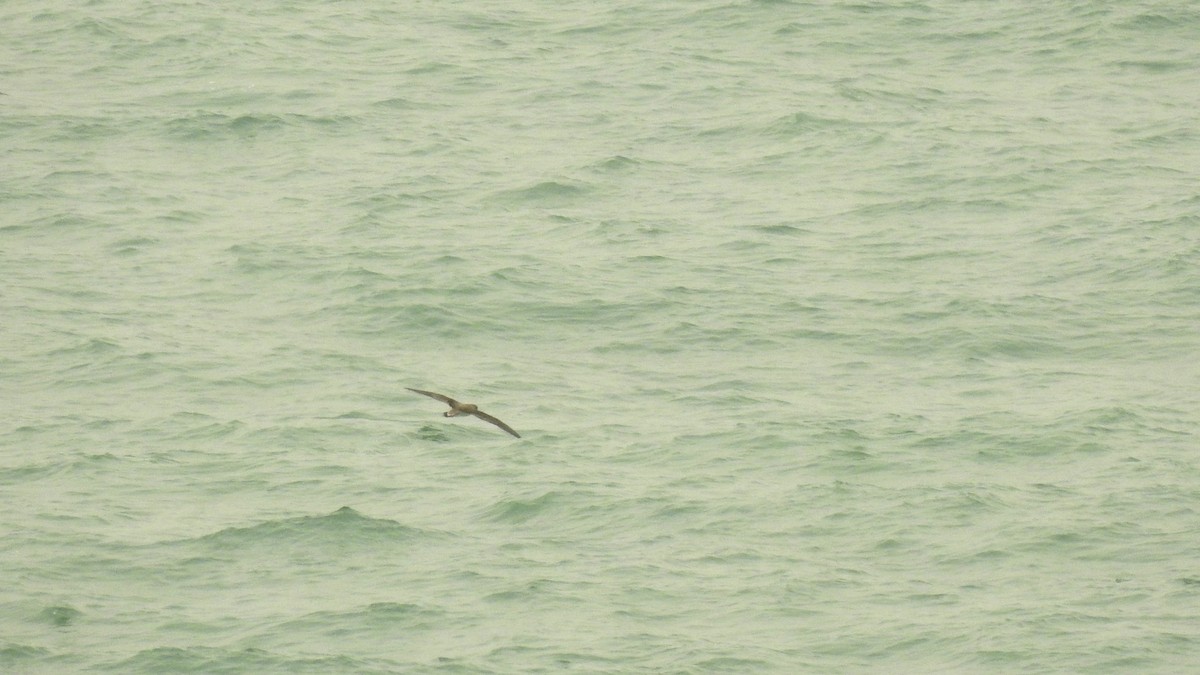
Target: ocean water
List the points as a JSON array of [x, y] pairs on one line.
[[841, 337]]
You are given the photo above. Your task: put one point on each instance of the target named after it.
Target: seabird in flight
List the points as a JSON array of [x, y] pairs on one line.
[[457, 408]]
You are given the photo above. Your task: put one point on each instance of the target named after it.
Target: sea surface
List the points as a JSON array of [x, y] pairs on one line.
[[842, 337]]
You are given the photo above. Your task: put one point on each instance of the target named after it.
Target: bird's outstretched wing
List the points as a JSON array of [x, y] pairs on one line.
[[444, 399], [488, 418]]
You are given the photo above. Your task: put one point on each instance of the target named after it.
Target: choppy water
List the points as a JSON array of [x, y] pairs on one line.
[[842, 337]]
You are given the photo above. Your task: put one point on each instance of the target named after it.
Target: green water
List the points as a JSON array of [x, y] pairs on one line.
[[841, 337]]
